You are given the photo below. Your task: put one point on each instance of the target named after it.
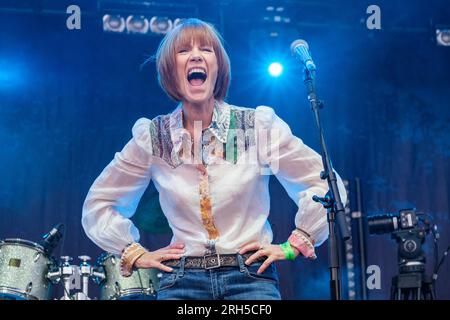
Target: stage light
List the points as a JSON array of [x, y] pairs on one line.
[[113, 23], [160, 25], [443, 37], [275, 69], [137, 24]]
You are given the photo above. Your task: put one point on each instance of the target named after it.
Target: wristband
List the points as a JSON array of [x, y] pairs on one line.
[[288, 251]]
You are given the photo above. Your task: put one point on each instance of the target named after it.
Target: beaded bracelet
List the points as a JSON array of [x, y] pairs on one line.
[[302, 243], [129, 256], [288, 251]]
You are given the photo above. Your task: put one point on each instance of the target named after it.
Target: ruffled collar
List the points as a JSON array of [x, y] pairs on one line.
[[219, 126]]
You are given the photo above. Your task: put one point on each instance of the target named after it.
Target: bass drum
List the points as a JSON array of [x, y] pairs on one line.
[[141, 285], [23, 271]]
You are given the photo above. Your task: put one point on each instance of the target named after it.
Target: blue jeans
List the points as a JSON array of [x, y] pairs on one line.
[[223, 283]]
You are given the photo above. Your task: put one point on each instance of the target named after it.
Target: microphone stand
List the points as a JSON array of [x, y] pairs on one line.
[[332, 200]]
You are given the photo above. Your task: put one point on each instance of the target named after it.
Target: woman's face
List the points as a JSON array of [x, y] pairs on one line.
[[197, 72]]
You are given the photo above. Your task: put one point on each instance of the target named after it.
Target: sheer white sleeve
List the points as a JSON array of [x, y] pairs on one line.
[[115, 194], [298, 168]]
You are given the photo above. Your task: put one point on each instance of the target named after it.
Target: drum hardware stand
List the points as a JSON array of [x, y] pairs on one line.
[[54, 275], [67, 272], [98, 275], [83, 271], [86, 272]]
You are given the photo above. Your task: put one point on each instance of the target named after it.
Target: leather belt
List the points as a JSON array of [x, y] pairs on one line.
[[212, 261]]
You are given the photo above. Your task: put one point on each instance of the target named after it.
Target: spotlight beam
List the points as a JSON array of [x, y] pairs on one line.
[[275, 69]]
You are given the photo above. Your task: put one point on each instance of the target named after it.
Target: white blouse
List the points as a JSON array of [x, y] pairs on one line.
[[214, 192]]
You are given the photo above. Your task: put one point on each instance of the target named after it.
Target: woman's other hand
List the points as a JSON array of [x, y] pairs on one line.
[[154, 259]]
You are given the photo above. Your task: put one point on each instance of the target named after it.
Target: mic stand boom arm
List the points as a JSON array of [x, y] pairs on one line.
[[332, 200]]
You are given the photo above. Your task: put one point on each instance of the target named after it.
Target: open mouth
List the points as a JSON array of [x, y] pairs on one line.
[[196, 76]]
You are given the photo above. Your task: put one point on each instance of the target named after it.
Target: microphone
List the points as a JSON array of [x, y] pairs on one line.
[[300, 49], [50, 240]]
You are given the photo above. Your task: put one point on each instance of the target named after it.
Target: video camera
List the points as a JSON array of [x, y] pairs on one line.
[[409, 234]]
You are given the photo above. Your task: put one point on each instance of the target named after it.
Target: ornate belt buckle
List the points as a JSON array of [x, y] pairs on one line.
[[215, 259]]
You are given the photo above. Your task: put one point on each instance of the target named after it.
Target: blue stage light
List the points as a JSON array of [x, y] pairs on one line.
[[275, 69]]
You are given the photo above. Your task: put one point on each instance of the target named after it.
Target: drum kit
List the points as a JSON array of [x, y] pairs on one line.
[[28, 272]]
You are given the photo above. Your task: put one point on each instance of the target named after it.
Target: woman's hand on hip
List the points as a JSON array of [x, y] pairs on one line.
[[273, 252], [154, 259]]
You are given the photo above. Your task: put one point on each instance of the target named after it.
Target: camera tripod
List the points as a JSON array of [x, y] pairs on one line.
[[412, 284]]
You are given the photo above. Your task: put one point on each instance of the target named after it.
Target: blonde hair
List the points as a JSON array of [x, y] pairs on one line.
[[204, 34]]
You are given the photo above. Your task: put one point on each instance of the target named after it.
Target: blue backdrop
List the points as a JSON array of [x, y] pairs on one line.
[[68, 100]]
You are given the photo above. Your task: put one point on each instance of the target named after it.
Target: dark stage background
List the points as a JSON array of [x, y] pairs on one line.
[[68, 100]]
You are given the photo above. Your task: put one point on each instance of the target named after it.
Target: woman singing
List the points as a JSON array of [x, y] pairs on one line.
[[209, 161]]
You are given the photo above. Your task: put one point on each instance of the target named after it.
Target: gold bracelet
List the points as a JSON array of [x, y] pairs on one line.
[[129, 256]]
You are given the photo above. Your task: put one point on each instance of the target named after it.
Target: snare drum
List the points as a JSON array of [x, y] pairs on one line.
[[141, 285], [23, 270]]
